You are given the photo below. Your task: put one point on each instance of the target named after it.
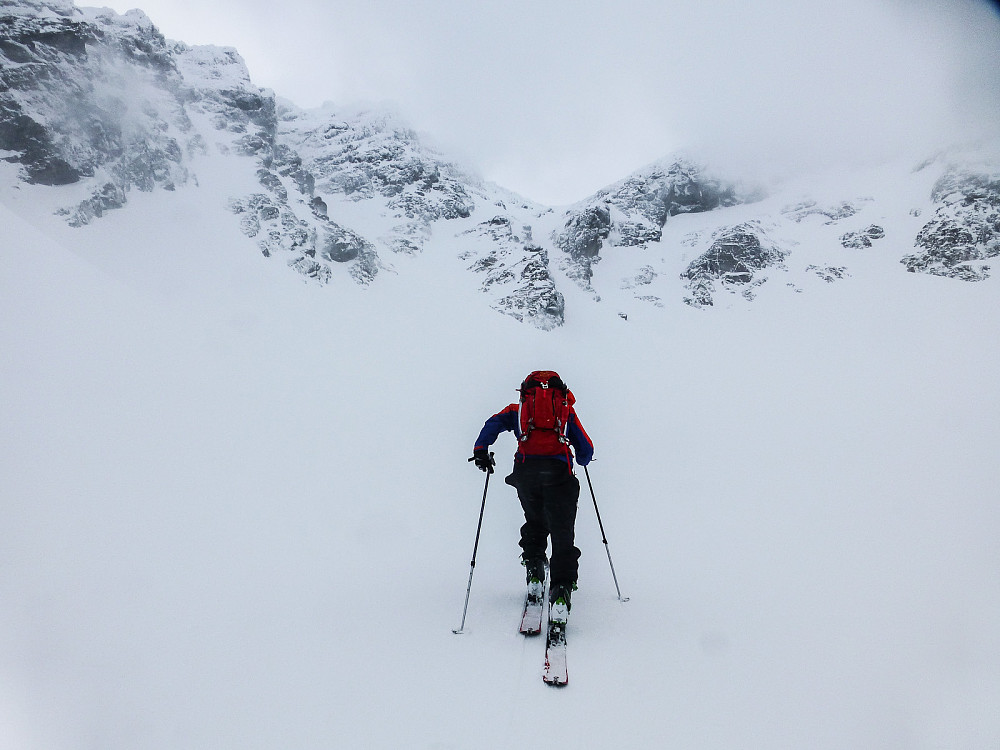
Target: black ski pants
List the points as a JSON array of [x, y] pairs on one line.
[[549, 494]]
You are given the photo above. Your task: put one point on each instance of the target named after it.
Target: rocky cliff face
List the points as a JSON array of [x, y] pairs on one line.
[[734, 259], [102, 101], [90, 95], [515, 272], [336, 160], [965, 230], [633, 213]]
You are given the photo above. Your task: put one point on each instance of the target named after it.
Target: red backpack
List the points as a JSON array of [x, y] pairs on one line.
[[543, 415]]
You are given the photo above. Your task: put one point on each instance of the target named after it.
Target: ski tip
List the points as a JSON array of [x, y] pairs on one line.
[[555, 681], [458, 631]]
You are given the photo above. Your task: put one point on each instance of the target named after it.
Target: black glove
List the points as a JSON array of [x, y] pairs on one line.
[[484, 460]]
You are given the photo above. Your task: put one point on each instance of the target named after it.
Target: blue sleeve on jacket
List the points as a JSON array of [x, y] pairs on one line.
[[502, 421], [583, 447]]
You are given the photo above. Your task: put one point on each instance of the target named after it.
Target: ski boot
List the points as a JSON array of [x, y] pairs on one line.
[[535, 576], [559, 602]]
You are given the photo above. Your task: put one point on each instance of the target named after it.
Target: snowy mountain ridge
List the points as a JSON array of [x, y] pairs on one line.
[[106, 104]]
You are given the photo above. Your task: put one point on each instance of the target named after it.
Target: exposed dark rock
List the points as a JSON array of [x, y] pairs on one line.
[[634, 211], [536, 298], [963, 187], [240, 110], [56, 114], [829, 274], [319, 208], [274, 226], [311, 269], [273, 183], [289, 164], [110, 196], [863, 239], [341, 245], [643, 277], [965, 230], [585, 232], [734, 260], [59, 113], [38, 153], [371, 155], [581, 239], [690, 191], [50, 170], [517, 274]]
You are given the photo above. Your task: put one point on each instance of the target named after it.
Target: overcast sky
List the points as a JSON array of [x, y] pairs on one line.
[[557, 98]]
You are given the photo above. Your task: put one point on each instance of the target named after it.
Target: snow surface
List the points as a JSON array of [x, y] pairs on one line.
[[237, 511]]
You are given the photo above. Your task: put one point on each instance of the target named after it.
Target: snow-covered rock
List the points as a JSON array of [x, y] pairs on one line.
[[90, 95], [516, 273], [965, 230], [831, 212], [734, 261], [634, 211]]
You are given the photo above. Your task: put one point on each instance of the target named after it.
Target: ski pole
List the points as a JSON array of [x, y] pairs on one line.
[[475, 550], [604, 537]]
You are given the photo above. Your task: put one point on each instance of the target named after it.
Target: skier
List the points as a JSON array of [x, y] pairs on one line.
[[546, 425]]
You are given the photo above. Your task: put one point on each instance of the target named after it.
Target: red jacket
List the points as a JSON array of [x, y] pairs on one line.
[[507, 420]]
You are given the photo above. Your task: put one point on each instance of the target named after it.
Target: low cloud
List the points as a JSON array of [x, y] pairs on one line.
[[555, 100]]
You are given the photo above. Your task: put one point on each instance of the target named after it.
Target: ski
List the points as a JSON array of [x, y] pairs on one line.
[[534, 604], [555, 672]]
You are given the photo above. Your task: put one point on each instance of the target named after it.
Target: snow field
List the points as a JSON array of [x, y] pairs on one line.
[[238, 512]]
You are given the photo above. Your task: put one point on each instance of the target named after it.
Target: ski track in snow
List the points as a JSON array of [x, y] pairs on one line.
[[238, 512]]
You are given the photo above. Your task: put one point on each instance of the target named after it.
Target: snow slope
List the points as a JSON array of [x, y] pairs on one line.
[[237, 511]]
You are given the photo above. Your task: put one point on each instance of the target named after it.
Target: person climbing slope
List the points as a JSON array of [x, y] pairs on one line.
[[549, 433]]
